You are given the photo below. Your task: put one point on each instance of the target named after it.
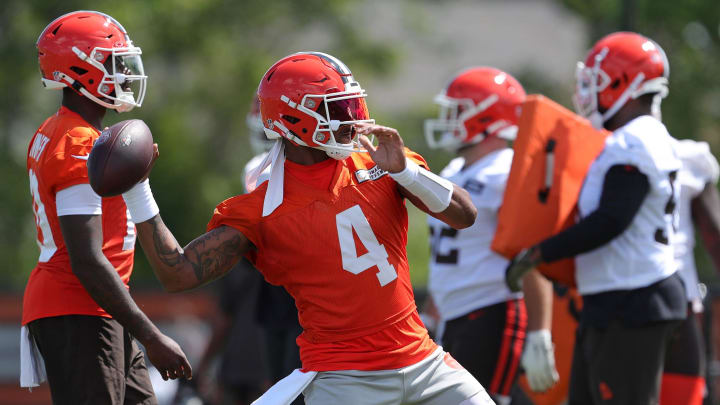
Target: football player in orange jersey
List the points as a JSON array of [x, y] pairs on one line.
[[78, 316], [330, 225]]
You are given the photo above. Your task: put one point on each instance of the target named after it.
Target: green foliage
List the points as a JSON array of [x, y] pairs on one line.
[[204, 59]]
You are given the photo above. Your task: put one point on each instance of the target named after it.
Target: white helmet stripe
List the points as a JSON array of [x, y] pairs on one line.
[[337, 64]]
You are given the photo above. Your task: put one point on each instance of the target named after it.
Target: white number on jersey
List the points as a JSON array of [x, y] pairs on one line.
[[47, 244], [354, 219], [129, 239]]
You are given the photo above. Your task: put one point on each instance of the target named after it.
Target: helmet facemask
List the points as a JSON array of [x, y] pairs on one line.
[[449, 131], [334, 114], [123, 76], [115, 77]]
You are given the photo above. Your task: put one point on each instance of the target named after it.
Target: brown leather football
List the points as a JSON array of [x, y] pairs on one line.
[[120, 158]]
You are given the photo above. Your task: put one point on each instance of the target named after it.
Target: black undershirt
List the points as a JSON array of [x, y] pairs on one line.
[[624, 190]]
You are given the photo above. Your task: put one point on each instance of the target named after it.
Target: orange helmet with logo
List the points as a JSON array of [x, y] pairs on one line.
[[307, 97], [619, 67], [477, 103], [92, 53]]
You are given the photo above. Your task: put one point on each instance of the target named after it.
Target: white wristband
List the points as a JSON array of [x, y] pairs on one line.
[[140, 202], [434, 191]]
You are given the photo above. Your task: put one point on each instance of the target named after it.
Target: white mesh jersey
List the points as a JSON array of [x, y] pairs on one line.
[[464, 273], [642, 254], [699, 167]]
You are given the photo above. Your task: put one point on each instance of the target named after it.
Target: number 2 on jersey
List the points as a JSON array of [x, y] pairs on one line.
[[353, 219]]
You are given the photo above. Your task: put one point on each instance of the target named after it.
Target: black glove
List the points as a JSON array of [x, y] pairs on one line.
[[520, 265]]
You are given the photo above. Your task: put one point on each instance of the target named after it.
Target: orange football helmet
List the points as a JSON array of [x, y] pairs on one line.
[[92, 53], [477, 103], [620, 66], [306, 97]]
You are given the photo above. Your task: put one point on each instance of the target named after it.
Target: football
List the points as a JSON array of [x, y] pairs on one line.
[[120, 157]]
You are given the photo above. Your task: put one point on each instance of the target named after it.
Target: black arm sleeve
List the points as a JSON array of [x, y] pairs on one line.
[[624, 191]]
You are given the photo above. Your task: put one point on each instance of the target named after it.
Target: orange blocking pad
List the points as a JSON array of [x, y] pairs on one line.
[[553, 152], [566, 308]]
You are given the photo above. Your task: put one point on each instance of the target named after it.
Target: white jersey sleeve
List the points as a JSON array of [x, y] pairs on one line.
[[79, 199], [642, 254], [699, 167]]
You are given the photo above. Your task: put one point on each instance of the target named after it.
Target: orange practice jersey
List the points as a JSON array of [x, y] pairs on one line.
[[56, 160], [340, 252]]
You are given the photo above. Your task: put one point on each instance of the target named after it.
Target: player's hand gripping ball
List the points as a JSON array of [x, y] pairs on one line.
[[120, 158]]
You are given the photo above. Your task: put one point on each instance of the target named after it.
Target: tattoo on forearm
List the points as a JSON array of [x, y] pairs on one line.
[[210, 262], [209, 255]]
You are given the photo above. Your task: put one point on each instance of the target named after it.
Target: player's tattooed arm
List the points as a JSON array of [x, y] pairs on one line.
[[206, 258]]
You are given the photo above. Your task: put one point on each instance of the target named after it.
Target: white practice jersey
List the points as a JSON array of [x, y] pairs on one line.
[[699, 167], [642, 254], [464, 273]]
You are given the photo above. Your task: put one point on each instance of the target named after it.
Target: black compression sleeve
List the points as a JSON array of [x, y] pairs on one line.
[[624, 191]]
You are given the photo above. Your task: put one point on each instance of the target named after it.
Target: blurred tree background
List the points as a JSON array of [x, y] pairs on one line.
[[205, 57]]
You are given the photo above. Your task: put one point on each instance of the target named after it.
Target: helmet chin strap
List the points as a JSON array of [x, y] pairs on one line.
[[338, 154], [655, 108], [598, 119]]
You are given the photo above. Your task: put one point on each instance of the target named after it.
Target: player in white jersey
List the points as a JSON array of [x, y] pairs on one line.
[[633, 298], [699, 204], [699, 171], [485, 323]]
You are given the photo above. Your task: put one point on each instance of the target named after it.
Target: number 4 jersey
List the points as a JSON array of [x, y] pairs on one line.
[[56, 164], [337, 245], [642, 254]]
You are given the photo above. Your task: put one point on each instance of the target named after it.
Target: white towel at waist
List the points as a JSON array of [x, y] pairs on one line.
[[286, 390], [32, 366]]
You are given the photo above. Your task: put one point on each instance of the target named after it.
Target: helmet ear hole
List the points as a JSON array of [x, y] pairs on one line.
[[291, 119], [615, 84], [80, 71]]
